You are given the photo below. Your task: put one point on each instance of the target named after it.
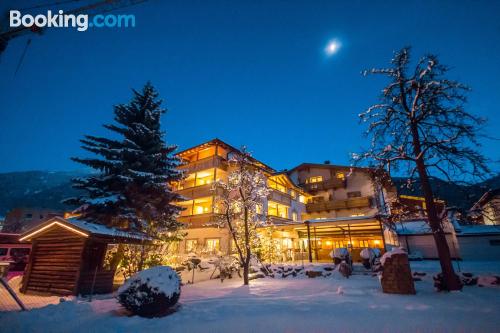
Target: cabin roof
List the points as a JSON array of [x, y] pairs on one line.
[[87, 229], [485, 198]]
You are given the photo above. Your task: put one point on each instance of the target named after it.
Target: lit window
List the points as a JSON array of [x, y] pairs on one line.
[[276, 209], [212, 244], [204, 177], [287, 243], [302, 199], [191, 245], [275, 185], [357, 214], [340, 175], [294, 216], [293, 194], [258, 208], [202, 206], [363, 243], [315, 179]]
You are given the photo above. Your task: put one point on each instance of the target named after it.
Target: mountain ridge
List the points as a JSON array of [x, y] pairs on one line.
[[46, 189]]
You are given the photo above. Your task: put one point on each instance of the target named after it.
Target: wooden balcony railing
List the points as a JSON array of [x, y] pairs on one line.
[[197, 191], [338, 204], [199, 220], [332, 183], [280, 197], [205, 163]]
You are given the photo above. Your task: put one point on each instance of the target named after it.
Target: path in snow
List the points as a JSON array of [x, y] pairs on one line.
[[281, 305]]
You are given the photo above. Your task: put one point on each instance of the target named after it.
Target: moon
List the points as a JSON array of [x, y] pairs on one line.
[[332, 47]]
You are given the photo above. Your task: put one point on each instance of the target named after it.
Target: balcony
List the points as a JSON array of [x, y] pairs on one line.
[[332, 183], [277, 220], [351, 203], [205, 163], [280, 197], [198, 220], [197, 191]]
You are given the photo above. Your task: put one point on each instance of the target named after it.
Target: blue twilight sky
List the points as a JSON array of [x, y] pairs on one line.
[[247, 72]]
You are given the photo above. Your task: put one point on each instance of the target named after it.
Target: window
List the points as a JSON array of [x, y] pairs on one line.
[[275, 185], [202, 206], [293, 194], [287, 243], [276, 209], [20, 252], [212, 244], [340, 175], [3, 251], [294, 216], [302, 199], [355, 194], [314, 179], [204, 177], [363, 243], [28, 216], [258, 208], [191, 245], [357, 214]]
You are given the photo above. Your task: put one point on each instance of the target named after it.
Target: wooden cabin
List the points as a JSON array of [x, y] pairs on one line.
[[67, 257]]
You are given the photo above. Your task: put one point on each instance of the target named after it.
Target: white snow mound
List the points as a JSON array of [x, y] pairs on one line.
[[162, 279], [395, 250]]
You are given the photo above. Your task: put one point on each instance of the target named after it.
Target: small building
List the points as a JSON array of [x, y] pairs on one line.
[[479, 242], [68, 255], [416, 237], [21, 219], [487, 209]]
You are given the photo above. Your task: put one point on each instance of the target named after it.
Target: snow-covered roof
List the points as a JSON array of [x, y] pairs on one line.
[[471, 230], [99, 229], [86, 229], [417, 227]]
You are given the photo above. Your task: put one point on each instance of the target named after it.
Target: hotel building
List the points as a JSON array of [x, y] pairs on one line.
[[314, 207]]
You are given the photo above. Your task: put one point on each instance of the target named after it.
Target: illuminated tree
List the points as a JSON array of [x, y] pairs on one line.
[[420, 124], [237, 202]]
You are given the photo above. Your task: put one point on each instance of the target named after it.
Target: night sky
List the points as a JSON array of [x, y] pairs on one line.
[[247, 72]]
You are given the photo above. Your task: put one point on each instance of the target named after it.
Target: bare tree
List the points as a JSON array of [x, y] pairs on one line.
[[237, 202], [420, 124]]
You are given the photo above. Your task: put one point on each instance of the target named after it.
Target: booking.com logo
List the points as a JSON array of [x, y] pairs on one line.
[[61, 20]]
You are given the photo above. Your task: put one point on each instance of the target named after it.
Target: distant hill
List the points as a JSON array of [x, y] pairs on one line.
[[45, 189], [462, 196], [40, 189]]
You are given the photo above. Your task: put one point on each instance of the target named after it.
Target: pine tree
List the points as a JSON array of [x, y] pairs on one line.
[[131, 189]]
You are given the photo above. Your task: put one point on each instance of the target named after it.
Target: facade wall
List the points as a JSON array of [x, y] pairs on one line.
[[479, 247]]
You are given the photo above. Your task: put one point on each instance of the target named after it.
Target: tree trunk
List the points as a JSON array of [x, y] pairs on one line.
[[117, 257], [450, 279], [246, 265]]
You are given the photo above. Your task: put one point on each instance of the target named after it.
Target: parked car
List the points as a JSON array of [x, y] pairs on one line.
[[16, 255]]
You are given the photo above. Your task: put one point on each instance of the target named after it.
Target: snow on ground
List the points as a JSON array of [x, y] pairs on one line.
[[335, 304]]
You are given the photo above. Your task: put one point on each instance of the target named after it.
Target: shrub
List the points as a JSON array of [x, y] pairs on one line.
[[151, 292]]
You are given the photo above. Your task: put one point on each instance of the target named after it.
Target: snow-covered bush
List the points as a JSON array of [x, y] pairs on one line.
[[151, 292]]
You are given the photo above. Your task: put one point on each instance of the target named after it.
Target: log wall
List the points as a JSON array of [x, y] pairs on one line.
[[55, 263]]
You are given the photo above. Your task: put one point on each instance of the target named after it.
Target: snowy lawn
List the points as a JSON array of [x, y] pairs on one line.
[[288, 305]]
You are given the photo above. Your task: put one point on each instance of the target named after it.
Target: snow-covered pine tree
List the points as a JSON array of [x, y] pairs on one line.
[[131, 189]]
